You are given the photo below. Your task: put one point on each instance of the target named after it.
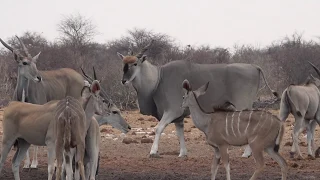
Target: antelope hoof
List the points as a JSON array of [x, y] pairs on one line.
[[246, 155], [26, 166], [34, 165], [183, 156], [310, 157], [292, 155], [154, 156]]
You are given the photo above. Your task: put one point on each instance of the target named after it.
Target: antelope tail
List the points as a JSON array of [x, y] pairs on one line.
[[291, 103], [279, 138], [273, 92], [67, 129]]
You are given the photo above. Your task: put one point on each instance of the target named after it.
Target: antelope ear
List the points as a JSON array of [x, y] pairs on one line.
[[186, 85], [120, 56], [202, 90], [95, 87], [34, 59], [143, 58]]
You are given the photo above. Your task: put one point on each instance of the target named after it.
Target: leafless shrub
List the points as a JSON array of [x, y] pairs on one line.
[[284, 62]]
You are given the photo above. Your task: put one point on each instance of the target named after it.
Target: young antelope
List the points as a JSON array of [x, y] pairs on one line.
[[261, 130]]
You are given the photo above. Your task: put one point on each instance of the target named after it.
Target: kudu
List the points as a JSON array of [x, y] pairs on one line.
[[303, 102], [261, 130], [40, 87], [25, 124]]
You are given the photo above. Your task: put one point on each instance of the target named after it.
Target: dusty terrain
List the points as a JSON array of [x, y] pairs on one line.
[[130, 161]]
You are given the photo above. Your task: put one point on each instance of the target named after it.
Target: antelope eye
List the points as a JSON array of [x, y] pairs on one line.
[[114, 112], [135, 64], [24, 63]]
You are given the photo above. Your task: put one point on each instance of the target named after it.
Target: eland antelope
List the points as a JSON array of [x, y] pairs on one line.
[[25, 124], [69, 125], [160, 95], [303, 102], [260, 129], [39, 87]]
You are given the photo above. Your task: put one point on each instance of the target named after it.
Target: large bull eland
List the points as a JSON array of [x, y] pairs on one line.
[[159, 92], [39, 87], [303, 102], [260, 129]]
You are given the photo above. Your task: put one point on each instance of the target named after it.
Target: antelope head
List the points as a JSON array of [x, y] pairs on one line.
[[92, 101], [26, 63], [132, 63], [191, 96]]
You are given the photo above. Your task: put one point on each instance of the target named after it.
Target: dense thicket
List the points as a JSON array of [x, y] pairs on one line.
[[284, 62]]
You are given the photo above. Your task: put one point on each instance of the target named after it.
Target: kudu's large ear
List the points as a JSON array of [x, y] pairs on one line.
[[35, 58], [120, 55], [95, 87], [186, 85], [202, 90]]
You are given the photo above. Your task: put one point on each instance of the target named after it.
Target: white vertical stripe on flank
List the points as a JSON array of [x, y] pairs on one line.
[[245, 132]]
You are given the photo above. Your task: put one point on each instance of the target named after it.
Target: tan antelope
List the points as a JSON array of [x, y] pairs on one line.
[[25, 124], [70, 123], [303, 102], [40, 87], [261, 130]]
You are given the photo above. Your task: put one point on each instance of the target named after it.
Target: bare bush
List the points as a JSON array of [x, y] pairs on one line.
[[284, 62]]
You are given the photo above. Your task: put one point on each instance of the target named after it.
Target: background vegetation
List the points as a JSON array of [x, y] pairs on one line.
[[284, 62]]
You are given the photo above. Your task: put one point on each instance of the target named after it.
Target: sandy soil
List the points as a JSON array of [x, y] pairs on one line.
[[130, 161]]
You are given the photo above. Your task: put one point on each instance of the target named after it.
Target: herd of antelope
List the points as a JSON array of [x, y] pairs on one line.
[[63, 110]]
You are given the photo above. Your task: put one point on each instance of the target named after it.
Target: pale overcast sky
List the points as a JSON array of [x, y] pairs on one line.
[[217, 23]]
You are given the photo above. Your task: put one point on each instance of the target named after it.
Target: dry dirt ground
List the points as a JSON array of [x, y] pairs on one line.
[[130, 161]]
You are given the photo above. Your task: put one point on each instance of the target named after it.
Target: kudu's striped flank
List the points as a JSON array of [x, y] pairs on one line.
[[261, 130]]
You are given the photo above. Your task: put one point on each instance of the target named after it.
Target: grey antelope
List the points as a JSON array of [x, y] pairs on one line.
[[40, 87], [25, 124], [159, 92], [260, 129], [303, 102]]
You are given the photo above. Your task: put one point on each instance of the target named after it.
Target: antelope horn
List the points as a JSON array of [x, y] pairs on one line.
[[144, 49], [130, 52], [94, 73], [86, 76], [24, 48], [6, 45], [315, 68]]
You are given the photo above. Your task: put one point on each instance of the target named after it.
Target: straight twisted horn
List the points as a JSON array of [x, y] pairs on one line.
[[130, 52], [144, 50], [6, 45], [86, 76], [24, 48], [315, 68], [94, 73]]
